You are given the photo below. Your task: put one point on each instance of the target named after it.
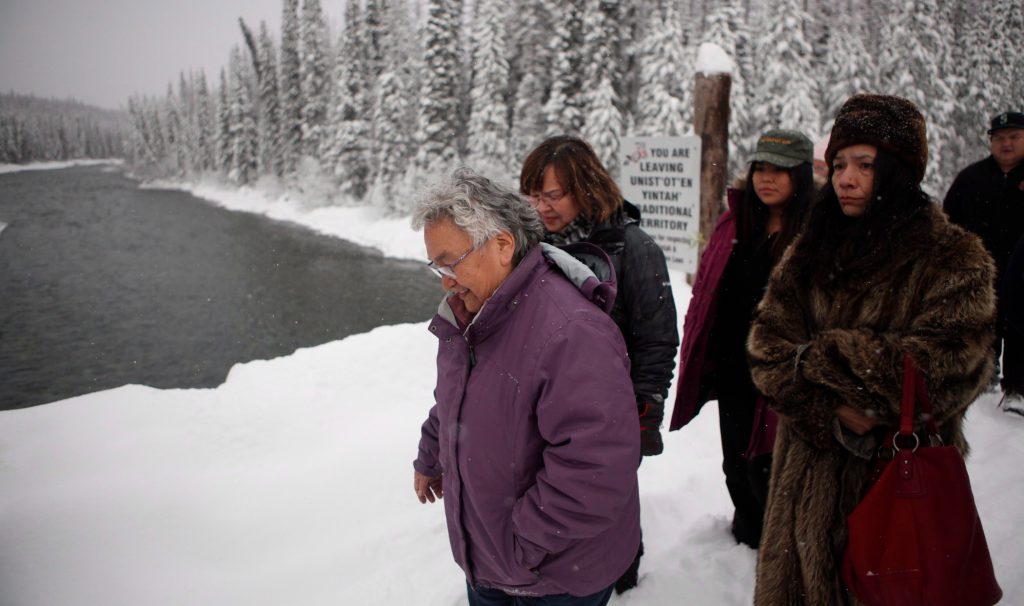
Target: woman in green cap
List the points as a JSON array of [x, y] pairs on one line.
[[763, 218]]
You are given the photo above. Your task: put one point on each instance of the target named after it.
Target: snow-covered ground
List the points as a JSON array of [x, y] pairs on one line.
[[291, 483], [15, 168]]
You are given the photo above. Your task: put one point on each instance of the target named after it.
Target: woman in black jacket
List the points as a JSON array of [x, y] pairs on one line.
[[579, 202]]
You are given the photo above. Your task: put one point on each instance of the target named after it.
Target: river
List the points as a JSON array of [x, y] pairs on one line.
[[103, 284]]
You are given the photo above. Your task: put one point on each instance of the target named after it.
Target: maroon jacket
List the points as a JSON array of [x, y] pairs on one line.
[[536, 432], [694, 365]]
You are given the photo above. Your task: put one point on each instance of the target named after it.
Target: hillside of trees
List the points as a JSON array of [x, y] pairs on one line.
[[407, 89], [34, 129]]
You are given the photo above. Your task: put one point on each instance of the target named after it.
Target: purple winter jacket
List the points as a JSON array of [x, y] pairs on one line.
[[536, 433], [692, 392]]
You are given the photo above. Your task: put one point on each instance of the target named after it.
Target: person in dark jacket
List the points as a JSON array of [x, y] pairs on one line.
[[578, 201], [1013, 352], [987, 198], [761, 221], [533, 440]]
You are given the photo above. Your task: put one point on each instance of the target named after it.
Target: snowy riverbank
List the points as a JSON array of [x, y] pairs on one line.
[[15, 168], [291, 482]]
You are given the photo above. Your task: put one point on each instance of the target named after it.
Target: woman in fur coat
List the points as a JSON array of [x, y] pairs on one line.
[[879, 272]]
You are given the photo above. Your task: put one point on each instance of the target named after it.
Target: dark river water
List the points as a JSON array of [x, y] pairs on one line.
[[103, 284]]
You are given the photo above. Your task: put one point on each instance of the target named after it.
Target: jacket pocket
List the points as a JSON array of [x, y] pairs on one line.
[[527, 555]]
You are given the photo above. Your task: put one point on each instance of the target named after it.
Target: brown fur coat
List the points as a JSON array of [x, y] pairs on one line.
[[935, 300]]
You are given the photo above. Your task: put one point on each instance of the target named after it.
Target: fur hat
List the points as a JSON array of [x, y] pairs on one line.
[[890, 123]]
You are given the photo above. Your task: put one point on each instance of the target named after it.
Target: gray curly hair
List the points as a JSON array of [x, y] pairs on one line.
[[481, 208]]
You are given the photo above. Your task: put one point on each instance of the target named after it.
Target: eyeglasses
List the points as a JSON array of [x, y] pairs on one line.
[[546, 196], [448, 271]]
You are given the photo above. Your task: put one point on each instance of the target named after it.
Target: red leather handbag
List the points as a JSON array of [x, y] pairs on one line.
[[916, 537]]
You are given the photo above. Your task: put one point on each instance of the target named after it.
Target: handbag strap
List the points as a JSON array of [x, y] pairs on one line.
[[914, 392]]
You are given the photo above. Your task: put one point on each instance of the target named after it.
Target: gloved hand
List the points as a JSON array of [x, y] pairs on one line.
[[651, 410]]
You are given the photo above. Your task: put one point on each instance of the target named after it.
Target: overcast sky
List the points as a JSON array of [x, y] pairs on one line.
[[102, 51]]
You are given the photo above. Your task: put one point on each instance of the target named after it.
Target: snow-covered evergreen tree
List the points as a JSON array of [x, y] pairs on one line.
[[971, 100], [634, 32], [396, 115], [997, 84], [373, 34], [204, 126], [270, 159], [157, 136], [314, 73], [489, 119], [242, 124], [1015, 31], [224, 139], [138, 149], [393, 145], [530, 74], [843, 76], [664, 104], [528, 118], [465, 16], [945, 143], [603, 122], [403, 48], [786, 93], [725, 27], [187, 114], [370, 58], [1006, 56], [290, 88], [172, 134], [346, 154], [438, 103], [144, 119], [564, 107], [911, 67]]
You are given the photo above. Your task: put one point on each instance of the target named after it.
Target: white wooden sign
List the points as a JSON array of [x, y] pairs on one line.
[[661, 176]]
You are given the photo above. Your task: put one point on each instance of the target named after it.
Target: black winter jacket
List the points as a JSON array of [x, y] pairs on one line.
[[987, 202], [644, 309]]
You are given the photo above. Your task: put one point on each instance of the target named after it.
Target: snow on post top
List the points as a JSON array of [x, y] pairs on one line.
[[712, 59]]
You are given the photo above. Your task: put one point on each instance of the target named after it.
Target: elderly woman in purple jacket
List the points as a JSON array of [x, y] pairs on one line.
[[762, 220], [533, 439]]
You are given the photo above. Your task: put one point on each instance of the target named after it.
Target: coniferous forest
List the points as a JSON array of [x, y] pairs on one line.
[[407, 89], [33, 129]]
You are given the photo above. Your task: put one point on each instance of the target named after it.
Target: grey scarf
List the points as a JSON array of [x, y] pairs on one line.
[[577, 231]]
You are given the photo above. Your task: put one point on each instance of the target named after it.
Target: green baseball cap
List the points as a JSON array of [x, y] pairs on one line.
[[785, 148]]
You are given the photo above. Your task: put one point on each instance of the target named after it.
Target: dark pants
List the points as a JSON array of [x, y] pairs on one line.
[[1013, 323], [485, 596], [747, 480], [1013, 362]]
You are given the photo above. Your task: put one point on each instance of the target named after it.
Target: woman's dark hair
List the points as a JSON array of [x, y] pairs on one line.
[[579, 172], [834, 244], [752, 213]]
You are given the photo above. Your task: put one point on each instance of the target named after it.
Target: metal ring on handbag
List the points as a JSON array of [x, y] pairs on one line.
[[896, 447]]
